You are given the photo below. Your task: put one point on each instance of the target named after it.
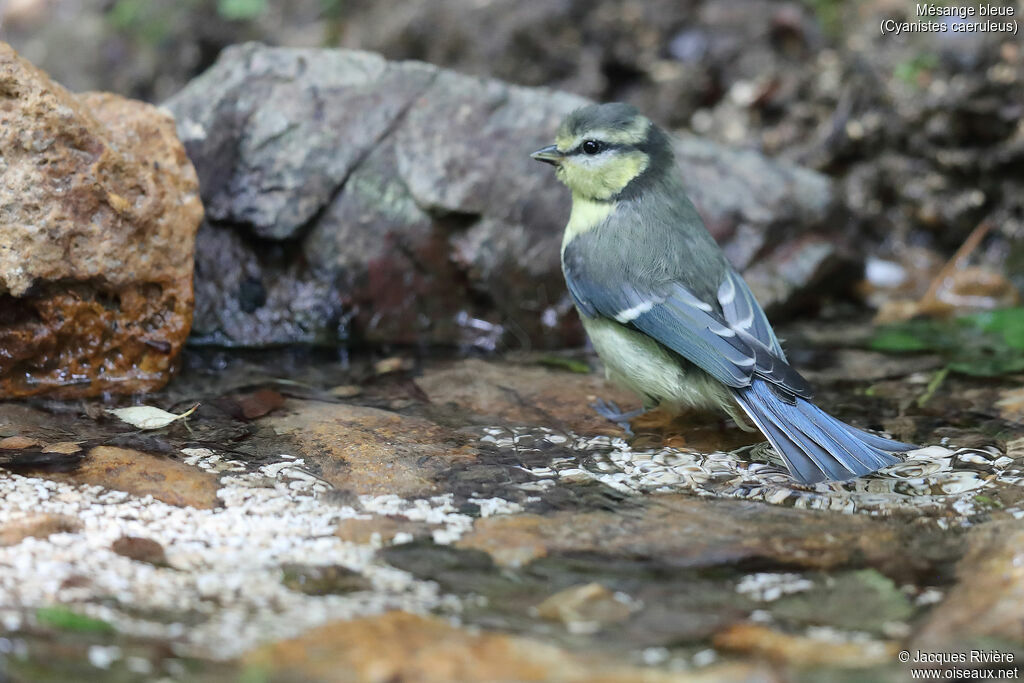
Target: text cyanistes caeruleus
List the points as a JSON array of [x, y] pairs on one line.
[[669, 316]]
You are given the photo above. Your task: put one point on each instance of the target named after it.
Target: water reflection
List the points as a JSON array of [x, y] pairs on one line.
[[948, 483]]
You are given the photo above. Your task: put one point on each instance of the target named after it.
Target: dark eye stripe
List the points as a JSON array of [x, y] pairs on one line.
[[605, 146]]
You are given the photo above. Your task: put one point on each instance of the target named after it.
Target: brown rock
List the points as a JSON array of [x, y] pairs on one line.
[[142, 474], [988, 600], [98, 211], [524, 393], [370, 451], [803, 650], [362, 531], [140, 549], [584, 609], [398, 646], [696, 532], [512, 541], [16, 443], [36, 526], [323, 579]]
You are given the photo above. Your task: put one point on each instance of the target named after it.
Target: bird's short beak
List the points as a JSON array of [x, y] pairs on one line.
[[549, 155]]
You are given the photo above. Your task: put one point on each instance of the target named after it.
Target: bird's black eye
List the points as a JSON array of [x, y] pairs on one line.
[[592, 147]]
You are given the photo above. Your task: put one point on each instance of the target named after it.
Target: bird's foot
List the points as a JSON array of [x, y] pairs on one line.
[[610, 411]]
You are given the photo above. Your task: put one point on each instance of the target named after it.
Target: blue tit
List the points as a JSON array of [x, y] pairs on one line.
[[666, 312]]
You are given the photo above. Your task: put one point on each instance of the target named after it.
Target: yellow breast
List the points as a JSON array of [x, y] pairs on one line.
[[586, 215]]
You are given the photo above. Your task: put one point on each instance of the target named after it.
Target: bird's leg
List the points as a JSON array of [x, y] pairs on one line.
[[611, 412]]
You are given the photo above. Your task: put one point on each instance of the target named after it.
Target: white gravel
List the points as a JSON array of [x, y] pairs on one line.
[[223, 592]]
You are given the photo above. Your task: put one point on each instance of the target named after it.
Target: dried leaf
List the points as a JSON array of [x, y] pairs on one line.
[[253, 405], [1011, 404], [148, 417], [392, 364], [345, 391], [63, 447]]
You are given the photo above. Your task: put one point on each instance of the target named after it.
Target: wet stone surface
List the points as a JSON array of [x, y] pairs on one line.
[[477, 512]]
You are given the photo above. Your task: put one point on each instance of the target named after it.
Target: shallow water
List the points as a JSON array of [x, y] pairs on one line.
[[305, 493]]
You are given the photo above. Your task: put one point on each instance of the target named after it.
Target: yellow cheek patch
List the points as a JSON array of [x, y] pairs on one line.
[[606, 180]]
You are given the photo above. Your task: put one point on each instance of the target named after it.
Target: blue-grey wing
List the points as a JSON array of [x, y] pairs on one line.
[[742, 311], [698, 330]]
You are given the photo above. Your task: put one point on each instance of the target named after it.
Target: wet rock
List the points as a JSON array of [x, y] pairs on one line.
[[511, 541], [100, 206], [985, 605], [377, 225], [38, 525], [1011, 404], [369, 451], [683, 531], [584, 609], [861, 600], [251, 405], [524, 393], [323, 580], [142, 474], [402, 646], [382, 530], [823, 649], [140, 549]]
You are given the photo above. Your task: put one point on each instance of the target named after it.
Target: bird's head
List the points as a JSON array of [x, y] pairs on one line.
[[605, 151]]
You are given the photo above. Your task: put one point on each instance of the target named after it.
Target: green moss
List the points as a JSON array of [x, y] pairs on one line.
[[62, 618]]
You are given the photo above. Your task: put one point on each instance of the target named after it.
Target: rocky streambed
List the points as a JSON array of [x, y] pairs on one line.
[[378, 461], [471, 519]]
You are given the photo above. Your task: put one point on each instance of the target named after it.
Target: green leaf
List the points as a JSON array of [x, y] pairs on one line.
[[899, 340], [241, 10], [62, 618], [988, 367], [986, 344], [1007, 322]]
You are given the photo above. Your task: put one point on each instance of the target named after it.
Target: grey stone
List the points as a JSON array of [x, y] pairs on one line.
[[352, 199]]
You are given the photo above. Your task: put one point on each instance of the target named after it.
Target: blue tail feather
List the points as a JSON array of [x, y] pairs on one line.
[[881, 442], [815, 445]]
